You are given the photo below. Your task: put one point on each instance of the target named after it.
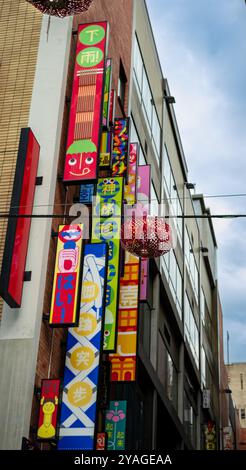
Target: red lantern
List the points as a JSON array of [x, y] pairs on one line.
[[61, 8], [146, 236]]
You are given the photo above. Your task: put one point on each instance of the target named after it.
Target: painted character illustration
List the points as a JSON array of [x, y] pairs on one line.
[[81, 158], [47, 430]]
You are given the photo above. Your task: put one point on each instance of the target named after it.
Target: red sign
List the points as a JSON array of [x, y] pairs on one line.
[[48, 410], [101, 441], [83, 141], [66, 287], [16, 243]]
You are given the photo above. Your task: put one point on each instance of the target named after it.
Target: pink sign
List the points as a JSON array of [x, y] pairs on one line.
[[143, 196]]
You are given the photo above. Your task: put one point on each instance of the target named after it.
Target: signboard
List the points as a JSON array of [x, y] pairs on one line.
[[143, 196], [105, 151], [101, 441], [103, 392], [79, 398], [106, 225], [123, 363], [112, 107], [120, 146], [210, 436], [83, 141], [65, 295], [206, 398], [116, 425], [18, 229], [86, 193], [47, 422], [107, 88], [228, 441]]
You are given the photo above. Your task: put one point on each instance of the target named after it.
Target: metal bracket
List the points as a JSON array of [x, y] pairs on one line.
[[46, 317], [54, 234], [39, 181], [27, 276]]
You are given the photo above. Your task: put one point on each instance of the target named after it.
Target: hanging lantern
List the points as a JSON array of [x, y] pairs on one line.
[[146, 236], [61, 8]]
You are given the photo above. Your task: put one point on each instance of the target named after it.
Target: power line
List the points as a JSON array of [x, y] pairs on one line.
[[57, 216]]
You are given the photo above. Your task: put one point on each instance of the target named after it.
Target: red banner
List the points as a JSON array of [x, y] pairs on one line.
[[83, 141], [47, 422]]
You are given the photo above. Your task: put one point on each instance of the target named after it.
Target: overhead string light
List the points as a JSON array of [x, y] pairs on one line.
[[61, 8]]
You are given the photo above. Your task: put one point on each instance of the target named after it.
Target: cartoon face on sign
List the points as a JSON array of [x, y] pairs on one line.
[[81, 159], [70, 233]]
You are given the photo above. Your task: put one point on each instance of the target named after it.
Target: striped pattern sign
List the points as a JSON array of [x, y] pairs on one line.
[[79, 398]]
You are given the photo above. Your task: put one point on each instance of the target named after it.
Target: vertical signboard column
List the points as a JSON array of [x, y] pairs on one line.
[[79, 398], [116, 425], [143, 196], [83, 141], [120, 146], [48, 411], [106, 226]]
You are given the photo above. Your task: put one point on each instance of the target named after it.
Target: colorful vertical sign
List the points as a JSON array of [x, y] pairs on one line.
[[210, 436], [83, 141], [112, 107], [123, 363], [120, 146], [67, 277], [143, 196], [107, 88], [101, 441], [16, 242], [86, 193], [106, 226], [79, 398], [115, 425], [105, 151], [48, 411]]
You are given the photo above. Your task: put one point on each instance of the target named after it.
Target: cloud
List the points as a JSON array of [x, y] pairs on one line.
[[202, 49]]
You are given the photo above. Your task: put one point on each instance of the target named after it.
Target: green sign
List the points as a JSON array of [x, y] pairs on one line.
[[92, 35], [115, 425], [106, 226]]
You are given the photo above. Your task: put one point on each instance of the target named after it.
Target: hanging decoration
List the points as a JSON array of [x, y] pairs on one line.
[[146, 236], [61, 8]]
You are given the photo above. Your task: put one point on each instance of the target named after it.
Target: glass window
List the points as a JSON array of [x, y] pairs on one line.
[[191, 331], [189, 418], [154, 201], [156, 133], [135, 138], [147, 100], [203, 367], [242, 413], [138, 66]]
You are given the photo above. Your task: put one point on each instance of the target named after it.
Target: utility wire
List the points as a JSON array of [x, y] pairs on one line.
[[60, 216]]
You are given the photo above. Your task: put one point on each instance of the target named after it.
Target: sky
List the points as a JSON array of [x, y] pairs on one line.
[[202, 49]]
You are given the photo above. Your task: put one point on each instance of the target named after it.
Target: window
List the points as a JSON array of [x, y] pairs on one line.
[[122, 85], [241, 381], [170, 269], [146, 100], [191, 331], [135, 138], [191, 264], [189, 418], [167, 371], [242, 413], [173, 203], [154, 201]]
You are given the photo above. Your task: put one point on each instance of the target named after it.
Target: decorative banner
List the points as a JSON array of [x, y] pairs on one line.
[[206, 397], [112, 107], [86, 106], [107, 88], [101, 441], [65, 295], [120, 146], [143, 196], [210, 436], [16, 242], [86, 193], [78, 412], [124, 361], [130, 191], [116, 425], [106, 225], [47, 422], [105, 151]]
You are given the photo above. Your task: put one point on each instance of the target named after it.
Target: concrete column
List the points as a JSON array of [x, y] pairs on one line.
[[20, 328]]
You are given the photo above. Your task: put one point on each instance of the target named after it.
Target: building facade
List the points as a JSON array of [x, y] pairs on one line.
[[177, 380]]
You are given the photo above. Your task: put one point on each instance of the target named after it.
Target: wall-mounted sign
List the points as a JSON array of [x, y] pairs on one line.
[[107, 88], [47, 422], [101, 441], [120, 148], [105, 151], [86, 193], [16, 242], [210, 436], [79, 398], [112, 107], [116, 425], [86, 106], [143, 196], [130, 189], [67, 277], [106, 226], [228, 441], [206, 398]]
